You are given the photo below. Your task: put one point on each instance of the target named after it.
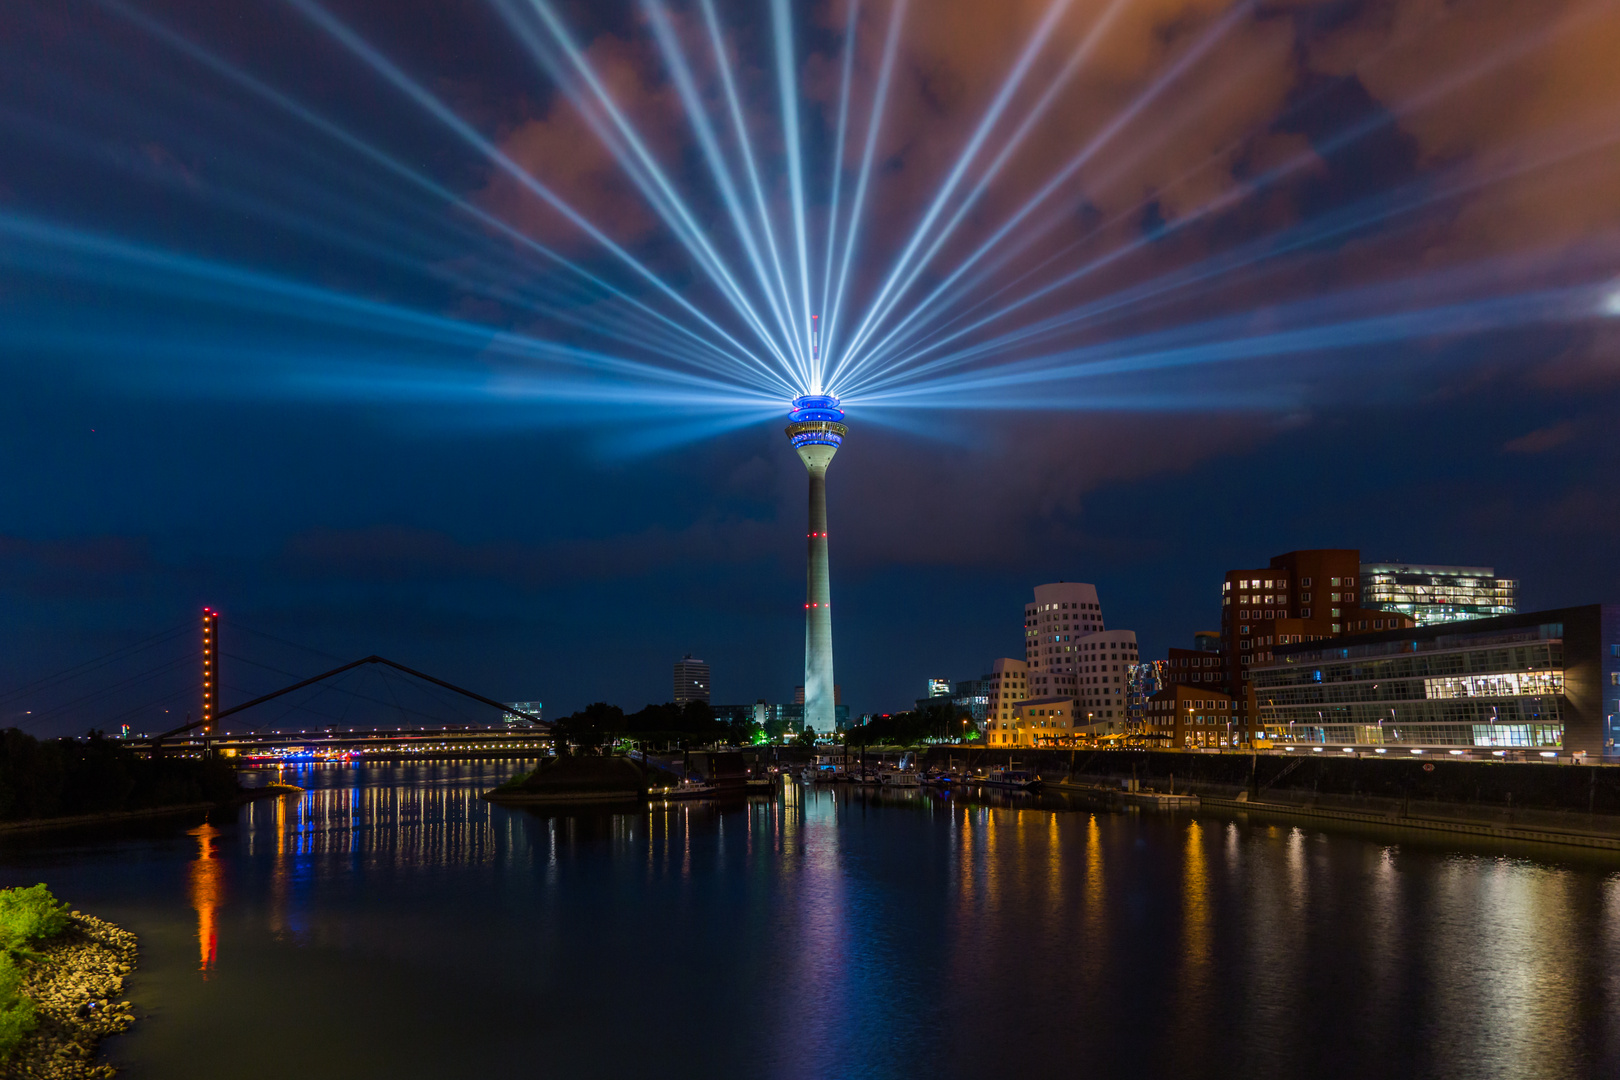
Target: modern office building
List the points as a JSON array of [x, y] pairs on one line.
[[532, 708], [1302, 596], [1189, 717], [973, 696], [1437, 594], [691, 680], [741, 714], [1069, 650], [1541, 683], [783, 714]]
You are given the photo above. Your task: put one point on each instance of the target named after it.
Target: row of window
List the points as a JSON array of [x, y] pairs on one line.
[[1409, 713], [1282, 583], [1169, 705], [1543, 657], [1549, 735]]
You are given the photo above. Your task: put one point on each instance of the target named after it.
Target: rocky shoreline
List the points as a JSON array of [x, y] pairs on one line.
[[77, 987]]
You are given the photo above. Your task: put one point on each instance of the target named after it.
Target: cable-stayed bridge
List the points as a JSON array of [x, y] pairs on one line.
[[372, 707]]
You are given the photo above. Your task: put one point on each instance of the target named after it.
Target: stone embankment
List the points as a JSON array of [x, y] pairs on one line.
[[77, 986]]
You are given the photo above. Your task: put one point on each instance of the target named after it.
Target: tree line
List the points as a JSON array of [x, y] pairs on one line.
[[600, 725], [68, 777]]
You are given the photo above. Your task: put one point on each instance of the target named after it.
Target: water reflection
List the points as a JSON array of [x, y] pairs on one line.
[[205, 886], [831, 932]]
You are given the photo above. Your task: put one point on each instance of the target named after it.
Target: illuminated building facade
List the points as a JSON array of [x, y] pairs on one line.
[[973, 697], [1437, 594], [1303, 596], [816, 432], [533, 708], [691, 680], [780, 715], [1543, 683], [1008, 685], [1183, 716], [1043, 721], [966, 695], [1069, 650]]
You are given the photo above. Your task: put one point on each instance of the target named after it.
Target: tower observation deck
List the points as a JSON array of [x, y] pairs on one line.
[[816, 432]]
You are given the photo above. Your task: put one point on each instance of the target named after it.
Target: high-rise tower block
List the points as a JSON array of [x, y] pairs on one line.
[[816, 433]]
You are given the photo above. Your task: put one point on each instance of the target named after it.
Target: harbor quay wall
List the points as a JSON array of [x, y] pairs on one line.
[[1496, 786]]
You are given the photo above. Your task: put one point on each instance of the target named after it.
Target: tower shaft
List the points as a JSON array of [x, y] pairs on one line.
[[816, 434], [819, 695]]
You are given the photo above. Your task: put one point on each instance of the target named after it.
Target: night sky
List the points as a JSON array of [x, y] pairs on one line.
[[1351, 278]]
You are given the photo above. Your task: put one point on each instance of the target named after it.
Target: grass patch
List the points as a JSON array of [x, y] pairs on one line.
[[28, 917], [516, 781]]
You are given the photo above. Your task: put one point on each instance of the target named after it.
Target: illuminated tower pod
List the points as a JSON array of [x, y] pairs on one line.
[[816, 434], [210, 700]]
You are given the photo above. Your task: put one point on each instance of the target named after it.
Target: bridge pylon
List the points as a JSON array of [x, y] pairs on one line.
[[210, 673]]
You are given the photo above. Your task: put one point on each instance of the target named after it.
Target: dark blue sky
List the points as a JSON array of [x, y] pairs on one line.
[[174, 437]]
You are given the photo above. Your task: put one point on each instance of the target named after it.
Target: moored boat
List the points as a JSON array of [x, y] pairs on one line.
[[1012, 779]]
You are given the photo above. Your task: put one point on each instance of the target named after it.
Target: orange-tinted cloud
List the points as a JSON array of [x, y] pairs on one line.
[[561, 149], [1496, 86]]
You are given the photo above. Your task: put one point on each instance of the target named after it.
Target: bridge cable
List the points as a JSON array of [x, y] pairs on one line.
[[90, 665]]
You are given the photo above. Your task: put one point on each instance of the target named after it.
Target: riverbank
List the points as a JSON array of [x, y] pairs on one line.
[[1604, 836], [1519, 824], [77, 987], [1430, 785], [44, 780]]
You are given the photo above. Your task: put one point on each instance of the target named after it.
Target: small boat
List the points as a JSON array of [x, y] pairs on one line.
[[899, 779], [824, 771], [1013, 779], [685, 790]]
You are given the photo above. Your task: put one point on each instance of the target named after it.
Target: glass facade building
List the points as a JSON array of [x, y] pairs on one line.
[[533, 708], [1437, 594], [1541, 683]]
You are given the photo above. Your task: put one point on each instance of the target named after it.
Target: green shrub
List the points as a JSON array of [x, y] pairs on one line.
[[16, 1011], [30, 916], [27, 917]]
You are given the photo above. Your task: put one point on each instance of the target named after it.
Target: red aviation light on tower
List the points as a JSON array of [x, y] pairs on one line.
[[210, 695]]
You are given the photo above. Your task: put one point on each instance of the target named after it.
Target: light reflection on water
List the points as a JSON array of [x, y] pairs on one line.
[[389, 922], [205, 892]]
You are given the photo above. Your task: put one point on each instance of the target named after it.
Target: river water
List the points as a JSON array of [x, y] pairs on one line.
[[391, 924]]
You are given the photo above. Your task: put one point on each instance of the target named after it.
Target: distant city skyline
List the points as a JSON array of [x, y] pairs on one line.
[[382, 334]]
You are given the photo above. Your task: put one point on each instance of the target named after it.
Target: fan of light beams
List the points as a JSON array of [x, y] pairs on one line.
[[769, 264]]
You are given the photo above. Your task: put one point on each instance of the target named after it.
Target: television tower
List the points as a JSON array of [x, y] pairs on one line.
[[816, 433]]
